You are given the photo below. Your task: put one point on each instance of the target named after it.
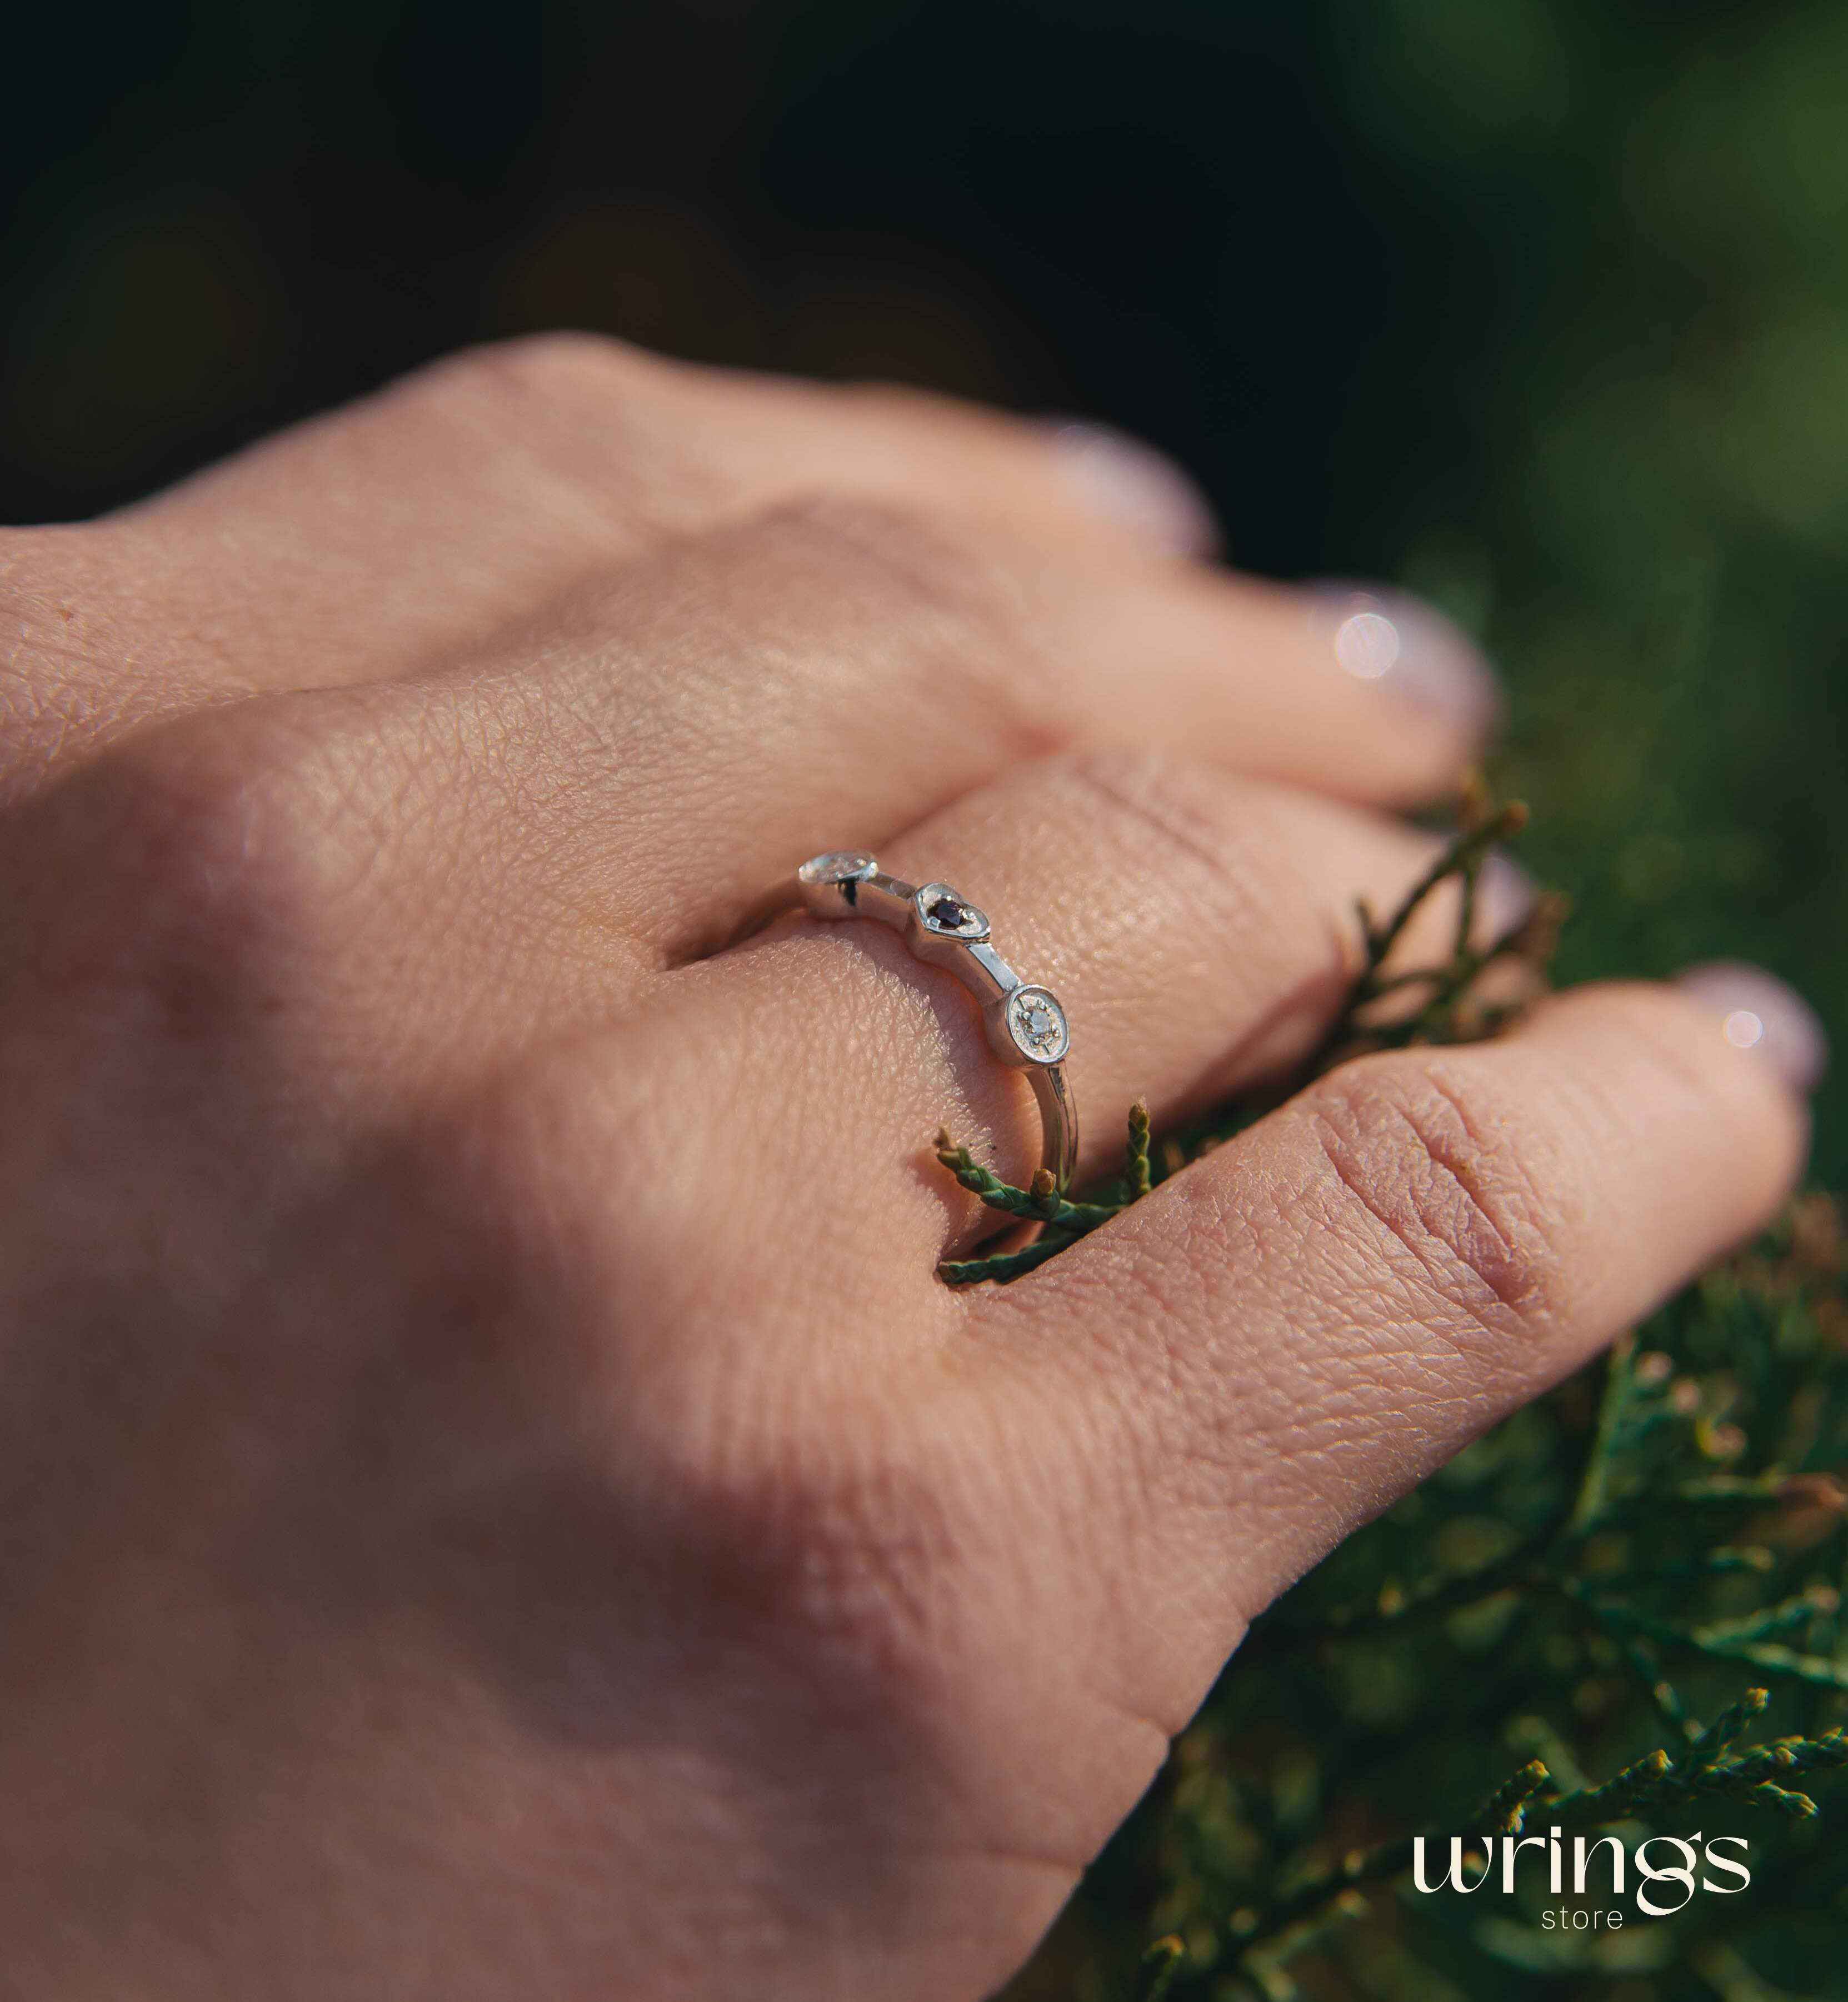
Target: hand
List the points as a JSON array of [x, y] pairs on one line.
[[493, 1499]]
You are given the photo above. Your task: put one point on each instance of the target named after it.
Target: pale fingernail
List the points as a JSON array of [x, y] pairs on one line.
[[1134, 486], [1378, 634], [1757, 1011]]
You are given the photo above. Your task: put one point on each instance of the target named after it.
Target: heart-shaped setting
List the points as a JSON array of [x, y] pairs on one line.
[[950, 916]]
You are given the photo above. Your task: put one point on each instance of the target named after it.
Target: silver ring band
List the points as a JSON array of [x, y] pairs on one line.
[[1026, 1025]]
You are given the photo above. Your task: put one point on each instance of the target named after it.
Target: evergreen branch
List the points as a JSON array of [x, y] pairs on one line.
[[1505, 1809], [1761, 1346], [1826, 1754], [1535, 1735], [1717, 1488], [1793, 1612], [1653, 1781], [1774, 1660], [1138, 1171], [1443, 1017], [1432, 1597], [1712, 1563], [1731, 1723], [1466, 850], [1717, 1642], [1041, 1204], [1267, 1964], [1160, 1963], [1624, 1791], [1620, 1388], [1001, 1266], [1501, 1814], [1663, 1693]]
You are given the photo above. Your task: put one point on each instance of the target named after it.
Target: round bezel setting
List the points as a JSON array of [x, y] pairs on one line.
[[1036, 1025], [839, 865], [945, 913]]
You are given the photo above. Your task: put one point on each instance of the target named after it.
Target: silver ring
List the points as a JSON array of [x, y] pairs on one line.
[[1025, 1024]]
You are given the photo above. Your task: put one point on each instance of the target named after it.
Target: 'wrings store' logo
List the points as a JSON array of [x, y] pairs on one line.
[[1661, 1886]]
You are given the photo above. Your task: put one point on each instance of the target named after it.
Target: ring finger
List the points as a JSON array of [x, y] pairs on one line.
[[1197, 928]]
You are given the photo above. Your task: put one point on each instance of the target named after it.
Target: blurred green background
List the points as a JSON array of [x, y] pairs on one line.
[[1540, 307]]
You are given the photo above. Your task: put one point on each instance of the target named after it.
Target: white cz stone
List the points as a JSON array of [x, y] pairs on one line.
[[1037, 1024], [839, 866]]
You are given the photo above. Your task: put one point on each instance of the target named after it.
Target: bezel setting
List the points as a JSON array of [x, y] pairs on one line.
[[1036, 1025], [1023, 1024], [946, 913], [838, 865]]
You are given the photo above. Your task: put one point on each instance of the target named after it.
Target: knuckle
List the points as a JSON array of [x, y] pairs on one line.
[[560, 372], [835, 1535], [896, 569], [980, 436], [184, 873], [1442, 1186], [884, 551], [1174, 815], [919, 411]]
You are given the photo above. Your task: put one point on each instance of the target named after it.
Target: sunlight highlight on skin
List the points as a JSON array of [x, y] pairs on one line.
[[1742, 1029], [1367, 644]]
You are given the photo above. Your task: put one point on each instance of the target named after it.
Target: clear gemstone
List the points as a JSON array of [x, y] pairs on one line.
[[839, 866], [1037, 1024]]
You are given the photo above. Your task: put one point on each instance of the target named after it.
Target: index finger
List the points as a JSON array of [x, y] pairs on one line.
[[403, 532]]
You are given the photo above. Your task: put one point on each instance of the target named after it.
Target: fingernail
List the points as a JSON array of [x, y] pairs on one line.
[[1378, 634], [1134, 486], [1757, 1011]]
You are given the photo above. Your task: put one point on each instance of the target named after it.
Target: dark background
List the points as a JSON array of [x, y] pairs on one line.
[[1542, 308]]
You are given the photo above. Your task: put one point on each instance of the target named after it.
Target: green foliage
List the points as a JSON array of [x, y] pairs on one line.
[[1534, 1640], [1620, 1611], [1632, 480], [1632, 486], [1387, 1007]]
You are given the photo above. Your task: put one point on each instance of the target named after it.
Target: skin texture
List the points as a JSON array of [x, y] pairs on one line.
[[493, 1499]]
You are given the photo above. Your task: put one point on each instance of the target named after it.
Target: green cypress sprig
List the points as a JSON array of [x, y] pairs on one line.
[[1442, 1011]]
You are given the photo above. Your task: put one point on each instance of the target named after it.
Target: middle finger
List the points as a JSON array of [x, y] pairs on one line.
[[620, 786]]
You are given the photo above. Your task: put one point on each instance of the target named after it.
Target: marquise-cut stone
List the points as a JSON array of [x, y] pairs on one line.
[[839, 866]]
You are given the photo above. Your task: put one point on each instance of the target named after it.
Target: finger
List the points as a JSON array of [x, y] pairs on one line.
[[403, 530], [1198, 929], [509, 471], [409, 526], [1298, 1327], [405, 525], [627, 782]]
